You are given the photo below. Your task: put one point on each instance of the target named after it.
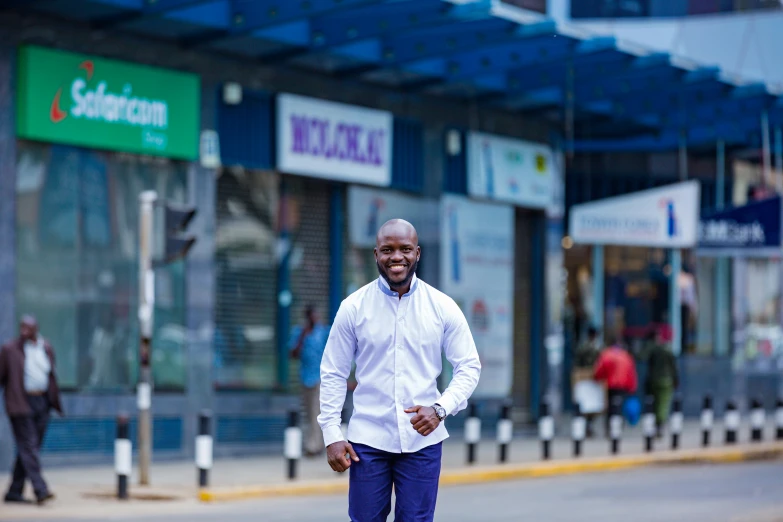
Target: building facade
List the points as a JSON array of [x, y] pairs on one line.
[[285, 218]]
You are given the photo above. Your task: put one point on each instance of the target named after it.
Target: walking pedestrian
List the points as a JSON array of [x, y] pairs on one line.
[[616, 367], [662, 375], [308, 347], [395, 329], [27, 373], [585, 356]]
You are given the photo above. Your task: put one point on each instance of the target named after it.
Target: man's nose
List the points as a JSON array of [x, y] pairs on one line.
[[397, 256]]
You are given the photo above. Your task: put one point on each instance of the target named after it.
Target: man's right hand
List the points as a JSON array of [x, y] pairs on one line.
[[337, 455]]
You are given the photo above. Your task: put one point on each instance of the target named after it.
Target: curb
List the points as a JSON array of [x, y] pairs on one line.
[[462, 476]]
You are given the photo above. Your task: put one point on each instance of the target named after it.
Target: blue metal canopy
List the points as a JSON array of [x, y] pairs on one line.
[[616, 99]]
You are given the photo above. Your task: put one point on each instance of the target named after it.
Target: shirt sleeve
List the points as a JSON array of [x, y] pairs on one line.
[[335, 369], [296, 331], [460, 351]]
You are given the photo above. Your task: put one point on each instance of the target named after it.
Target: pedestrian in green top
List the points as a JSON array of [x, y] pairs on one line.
[[662, 375]]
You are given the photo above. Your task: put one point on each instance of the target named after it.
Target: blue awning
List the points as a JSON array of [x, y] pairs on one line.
[[612, 98]]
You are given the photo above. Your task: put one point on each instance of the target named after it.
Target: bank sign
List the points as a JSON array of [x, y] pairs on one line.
[[333, 141], [744, 230], [665, 217], [106, 104]]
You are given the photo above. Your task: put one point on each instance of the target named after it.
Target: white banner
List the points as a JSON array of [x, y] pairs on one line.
[[666, 217], [511, 170], [333, 141], [369, 208], [477, 271]]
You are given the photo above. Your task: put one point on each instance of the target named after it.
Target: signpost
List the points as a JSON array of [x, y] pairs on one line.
[[176, 219]]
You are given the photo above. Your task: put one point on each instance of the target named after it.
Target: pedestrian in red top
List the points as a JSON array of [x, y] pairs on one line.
[[617, 369]]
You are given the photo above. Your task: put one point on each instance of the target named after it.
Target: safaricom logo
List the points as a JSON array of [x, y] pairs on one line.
[[100, 104]]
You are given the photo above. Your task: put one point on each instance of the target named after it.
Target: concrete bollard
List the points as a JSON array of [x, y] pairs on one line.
[[123, 453], [757, 421], [546, 431], [648, 423], [578, 429], [731, 422], [616, 424], [505, 432], [293, 443], [779, 420], [204, 448], [676, 422], [472, 432], [707, 420]]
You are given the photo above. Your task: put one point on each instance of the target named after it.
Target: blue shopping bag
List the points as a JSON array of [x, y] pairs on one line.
[[632, 409]]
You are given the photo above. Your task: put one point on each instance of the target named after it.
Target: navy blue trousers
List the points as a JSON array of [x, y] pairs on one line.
[[414, 477]]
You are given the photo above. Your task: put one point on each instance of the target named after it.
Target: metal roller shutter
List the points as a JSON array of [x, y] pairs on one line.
[[246, 279], [311, 255]]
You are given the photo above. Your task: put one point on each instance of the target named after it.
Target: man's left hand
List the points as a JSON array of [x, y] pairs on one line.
[[425, 421]]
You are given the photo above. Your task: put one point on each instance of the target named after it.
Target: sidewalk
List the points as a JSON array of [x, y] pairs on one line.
[[88, 493]]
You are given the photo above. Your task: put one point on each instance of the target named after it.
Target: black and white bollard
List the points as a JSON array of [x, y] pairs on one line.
[[505, 432], [472, 432], [123, 453], [757, 421], [779, 420], [648, 423], [616, 423], [676, 422], [293, 443], [578, 430], [707, 420], [546, 431], [204, 448], [731, 422]]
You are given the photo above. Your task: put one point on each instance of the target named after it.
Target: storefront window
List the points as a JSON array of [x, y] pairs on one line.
[[758, 314], [636, 293], [246, 279], [77, 265]]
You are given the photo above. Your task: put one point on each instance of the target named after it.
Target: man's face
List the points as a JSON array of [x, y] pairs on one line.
[[28, 331], [397, 254]]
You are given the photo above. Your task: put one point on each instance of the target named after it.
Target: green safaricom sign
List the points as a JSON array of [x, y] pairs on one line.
[[106, 104]]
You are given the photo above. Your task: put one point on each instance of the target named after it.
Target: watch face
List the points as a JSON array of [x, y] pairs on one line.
[[441, 412]]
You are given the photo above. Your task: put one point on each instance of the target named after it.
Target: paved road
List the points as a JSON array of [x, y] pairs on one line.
[[725, 493]]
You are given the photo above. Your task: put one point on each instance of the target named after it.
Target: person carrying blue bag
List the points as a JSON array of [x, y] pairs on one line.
[[617, 369]]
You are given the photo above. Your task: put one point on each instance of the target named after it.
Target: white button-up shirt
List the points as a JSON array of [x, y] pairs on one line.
[[36, 367], [397, 344]]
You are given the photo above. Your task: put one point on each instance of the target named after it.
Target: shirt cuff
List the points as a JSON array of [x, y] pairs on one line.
[[448, 403], [332, 434]]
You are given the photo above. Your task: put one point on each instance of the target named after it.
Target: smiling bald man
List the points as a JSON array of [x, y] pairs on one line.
[[396, 330]]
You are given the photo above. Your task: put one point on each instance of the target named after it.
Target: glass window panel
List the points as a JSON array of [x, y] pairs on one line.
[[77, 234]]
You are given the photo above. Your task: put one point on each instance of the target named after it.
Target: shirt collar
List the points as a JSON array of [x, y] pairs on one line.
[[386, 289]]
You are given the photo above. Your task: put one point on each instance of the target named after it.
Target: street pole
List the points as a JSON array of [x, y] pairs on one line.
[[147, 201]]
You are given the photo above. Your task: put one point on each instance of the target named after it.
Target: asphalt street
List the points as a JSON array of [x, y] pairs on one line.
[[751, 492]]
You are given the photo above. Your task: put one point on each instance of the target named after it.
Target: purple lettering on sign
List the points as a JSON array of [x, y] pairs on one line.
[[299, 128], [322, 128], [353, 140], [345, 141]]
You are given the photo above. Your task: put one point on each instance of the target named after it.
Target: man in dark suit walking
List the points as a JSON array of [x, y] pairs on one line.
[[27, 373]]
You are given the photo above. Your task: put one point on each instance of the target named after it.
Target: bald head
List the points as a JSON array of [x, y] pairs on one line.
[[397, 253], [397, 228]]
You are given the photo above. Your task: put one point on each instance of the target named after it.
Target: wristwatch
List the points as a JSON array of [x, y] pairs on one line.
[[440, 411]]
